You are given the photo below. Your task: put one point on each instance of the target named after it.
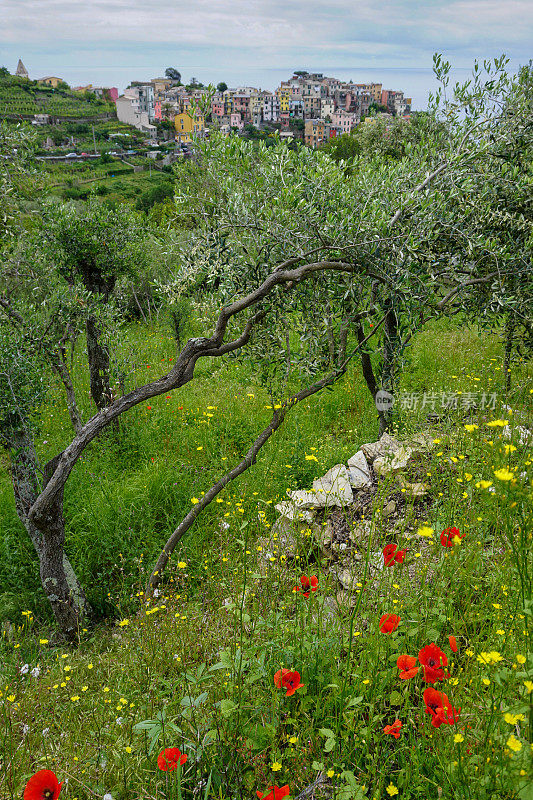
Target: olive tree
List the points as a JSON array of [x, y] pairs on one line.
[[91, 247], [288, 242]]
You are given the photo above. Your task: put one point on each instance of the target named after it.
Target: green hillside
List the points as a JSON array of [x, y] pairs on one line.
[[21, 96]]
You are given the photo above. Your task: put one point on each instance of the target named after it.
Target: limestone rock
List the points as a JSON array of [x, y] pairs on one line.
[[376, 561], [334, 489], [324, 535], [421, 442], [386, 446], [360, 532], [300, 506], [389, 509], [359, 471], [347, 578], [392, 462], [413, 491]]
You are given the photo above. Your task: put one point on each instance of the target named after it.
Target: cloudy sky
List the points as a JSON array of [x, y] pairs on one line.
[[260, 42]]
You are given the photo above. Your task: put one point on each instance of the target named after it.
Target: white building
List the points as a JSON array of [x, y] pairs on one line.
[[271, 108], [128, 111]]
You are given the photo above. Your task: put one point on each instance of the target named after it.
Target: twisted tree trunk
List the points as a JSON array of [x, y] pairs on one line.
[[58, 578], [98, 358], [388, 365]]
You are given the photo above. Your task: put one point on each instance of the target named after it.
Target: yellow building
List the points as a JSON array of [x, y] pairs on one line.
[[188, 126], [50, 80], [284, 94], [375, 91]]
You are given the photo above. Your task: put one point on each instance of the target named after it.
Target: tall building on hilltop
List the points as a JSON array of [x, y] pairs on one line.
[[21, 71]]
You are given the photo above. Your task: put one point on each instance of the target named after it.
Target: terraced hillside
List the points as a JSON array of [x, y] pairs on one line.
[[22, 97]]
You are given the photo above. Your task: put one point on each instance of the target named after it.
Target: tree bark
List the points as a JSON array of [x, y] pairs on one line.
[[343, 340], [368, 375], [58, 578], [98, 357], [510, 325], [388, 367], [60, 367]]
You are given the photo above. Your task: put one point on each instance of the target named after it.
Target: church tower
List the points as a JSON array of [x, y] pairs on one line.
[[22, 72]]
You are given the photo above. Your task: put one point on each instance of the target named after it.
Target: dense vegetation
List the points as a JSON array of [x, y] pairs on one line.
[[165, 379]]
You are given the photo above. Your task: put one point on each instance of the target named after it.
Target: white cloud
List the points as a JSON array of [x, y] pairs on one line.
[[261, 24]]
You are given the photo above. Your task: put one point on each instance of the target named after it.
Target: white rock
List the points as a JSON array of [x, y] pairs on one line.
[[294, 512], [359, 471], [387, 445], [304, 499], [377, 560], [347, 578], [413, 490], [334, 489], [392, 462]]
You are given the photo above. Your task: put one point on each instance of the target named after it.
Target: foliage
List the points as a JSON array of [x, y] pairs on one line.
[[16, 150], [92, 244], [173, 74], [157, 194]]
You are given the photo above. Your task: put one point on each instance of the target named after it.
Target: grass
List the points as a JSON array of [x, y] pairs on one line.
[[195, 668]]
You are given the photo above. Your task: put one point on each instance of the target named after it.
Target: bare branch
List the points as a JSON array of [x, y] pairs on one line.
[[13, 315], [181, 374], [250, 458]]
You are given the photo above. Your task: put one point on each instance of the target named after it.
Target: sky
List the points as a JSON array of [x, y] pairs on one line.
[[258, 43]]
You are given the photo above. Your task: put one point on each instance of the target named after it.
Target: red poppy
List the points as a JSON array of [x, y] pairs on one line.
[[42, 786], [433, 659], [393, 729], [392, 555], [448, 535], [274, 793], [453, 644], [406, 665], [168, 759], [439, 708], [388, 623], [289, 679], [307, 585]]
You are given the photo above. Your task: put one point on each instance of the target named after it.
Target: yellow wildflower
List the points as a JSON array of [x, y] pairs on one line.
[[503, 474], [514, 744], [512, 719]]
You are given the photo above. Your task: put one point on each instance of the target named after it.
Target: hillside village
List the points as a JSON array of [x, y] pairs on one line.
[[310, 107]]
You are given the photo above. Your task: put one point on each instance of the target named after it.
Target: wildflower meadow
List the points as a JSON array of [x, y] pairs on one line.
[[252, 672]]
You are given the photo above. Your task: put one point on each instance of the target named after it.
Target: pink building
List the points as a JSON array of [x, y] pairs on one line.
[[343, 121], [235, 121], [158, 113], [218, 108]]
